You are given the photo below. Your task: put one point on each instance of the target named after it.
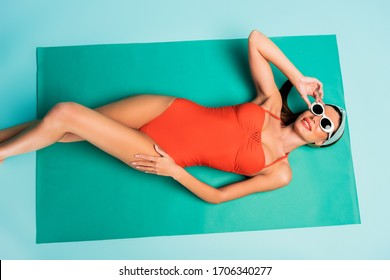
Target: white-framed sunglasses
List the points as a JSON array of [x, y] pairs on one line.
[[326, 123]]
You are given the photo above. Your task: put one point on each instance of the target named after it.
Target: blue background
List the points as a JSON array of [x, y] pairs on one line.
[[362, 29]]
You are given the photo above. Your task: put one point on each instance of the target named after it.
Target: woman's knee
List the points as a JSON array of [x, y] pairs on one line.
[[62, 112]]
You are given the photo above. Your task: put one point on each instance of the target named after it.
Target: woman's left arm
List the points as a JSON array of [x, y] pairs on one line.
[[259, 183], [166, 166]]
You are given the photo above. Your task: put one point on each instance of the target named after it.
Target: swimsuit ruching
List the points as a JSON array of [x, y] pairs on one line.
[[226, 138]]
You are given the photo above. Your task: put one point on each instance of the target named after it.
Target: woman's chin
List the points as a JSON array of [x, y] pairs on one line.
[[301, 131]]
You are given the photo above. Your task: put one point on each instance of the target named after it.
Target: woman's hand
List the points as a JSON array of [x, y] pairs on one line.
[[307, 86], [163, 165]]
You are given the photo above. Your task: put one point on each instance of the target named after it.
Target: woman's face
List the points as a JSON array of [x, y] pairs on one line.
[[307, 125]]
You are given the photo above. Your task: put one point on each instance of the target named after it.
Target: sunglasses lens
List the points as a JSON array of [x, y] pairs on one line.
[[326, 124], [317, 109]]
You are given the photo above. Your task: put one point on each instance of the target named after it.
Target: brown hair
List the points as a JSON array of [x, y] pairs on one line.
[[287, 116]]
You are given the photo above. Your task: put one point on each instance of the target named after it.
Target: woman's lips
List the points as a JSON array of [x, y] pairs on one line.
[[306, 123]]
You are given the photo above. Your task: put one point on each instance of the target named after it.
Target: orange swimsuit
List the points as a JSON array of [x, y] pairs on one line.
[[226, 138]]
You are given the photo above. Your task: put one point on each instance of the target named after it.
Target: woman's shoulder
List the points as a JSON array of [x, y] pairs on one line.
[[277, 176], [281, 168], [281, 172], [272, 104]]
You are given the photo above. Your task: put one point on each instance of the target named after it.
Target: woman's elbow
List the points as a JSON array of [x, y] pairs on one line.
[[255, 36], [214, 201], [216, 198]]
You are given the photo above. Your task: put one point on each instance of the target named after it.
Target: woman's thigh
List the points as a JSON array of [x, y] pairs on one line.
[[133, 111], [114, 138]]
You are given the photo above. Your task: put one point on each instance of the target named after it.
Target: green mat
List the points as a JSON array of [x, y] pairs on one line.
[[85, 194]]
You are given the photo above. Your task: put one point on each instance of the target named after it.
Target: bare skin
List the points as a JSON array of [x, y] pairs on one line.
[[114, 128]]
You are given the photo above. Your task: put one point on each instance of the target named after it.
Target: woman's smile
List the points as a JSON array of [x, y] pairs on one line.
[[306, 123]]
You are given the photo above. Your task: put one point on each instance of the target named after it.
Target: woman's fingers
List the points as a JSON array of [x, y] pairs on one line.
[[145, 166], [161, 165], [147, 169], [306, 99], [144, 163], [146, 157], [160, 151], [316, 81], [153, 158], [309, 86], [320, 89]]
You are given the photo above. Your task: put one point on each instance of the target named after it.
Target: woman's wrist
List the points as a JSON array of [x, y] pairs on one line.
[[179, 173], [296, 78]]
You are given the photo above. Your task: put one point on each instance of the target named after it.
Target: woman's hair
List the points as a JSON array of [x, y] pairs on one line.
[[288, 116]]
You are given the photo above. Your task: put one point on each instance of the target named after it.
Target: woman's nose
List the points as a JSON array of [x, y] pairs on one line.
[[316, 119]]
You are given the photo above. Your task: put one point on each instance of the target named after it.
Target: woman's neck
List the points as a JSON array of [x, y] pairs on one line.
[[290, 139]]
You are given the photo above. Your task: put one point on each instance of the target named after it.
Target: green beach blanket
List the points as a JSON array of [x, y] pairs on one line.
[[85, 194]]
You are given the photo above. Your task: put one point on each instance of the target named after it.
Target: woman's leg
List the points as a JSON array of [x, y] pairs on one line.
[[107, 134], [8, 133], [132, 111]]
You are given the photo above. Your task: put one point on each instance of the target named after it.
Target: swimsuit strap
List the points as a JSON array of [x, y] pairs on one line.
[[283, 157], [276, 161], [272, 114]]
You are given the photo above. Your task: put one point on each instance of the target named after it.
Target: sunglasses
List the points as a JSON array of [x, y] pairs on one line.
[[325, 123]]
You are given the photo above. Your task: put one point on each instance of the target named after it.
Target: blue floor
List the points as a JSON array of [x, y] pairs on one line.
[[363, 39]]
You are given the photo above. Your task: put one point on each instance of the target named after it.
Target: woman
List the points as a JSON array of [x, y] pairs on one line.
[[249, 138]]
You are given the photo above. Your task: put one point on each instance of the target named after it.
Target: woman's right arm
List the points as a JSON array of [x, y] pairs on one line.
[[263, 51]]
